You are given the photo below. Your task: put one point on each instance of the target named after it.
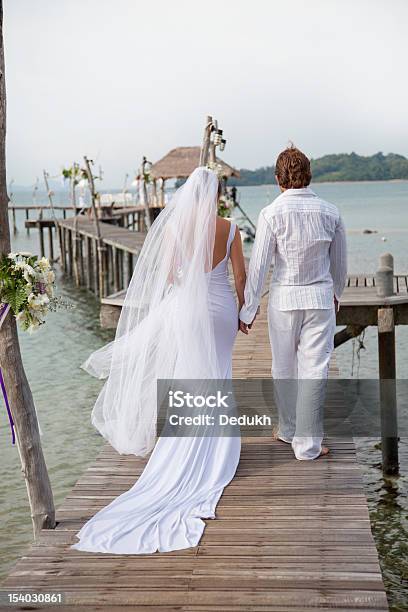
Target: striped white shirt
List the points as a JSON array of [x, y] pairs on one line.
[[307, 238]]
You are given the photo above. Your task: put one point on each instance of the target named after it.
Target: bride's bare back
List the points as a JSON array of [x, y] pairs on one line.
[[222, 230]]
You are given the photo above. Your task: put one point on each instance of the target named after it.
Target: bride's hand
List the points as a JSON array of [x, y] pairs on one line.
[[243, 327]]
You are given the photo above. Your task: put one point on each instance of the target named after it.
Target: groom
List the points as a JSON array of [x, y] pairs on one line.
[[306, 237]]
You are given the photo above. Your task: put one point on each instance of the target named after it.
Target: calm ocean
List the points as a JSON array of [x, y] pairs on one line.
[[64, 394]]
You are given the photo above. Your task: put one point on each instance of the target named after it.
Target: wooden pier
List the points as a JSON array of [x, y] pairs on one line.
[[289, 535], [120, 244]]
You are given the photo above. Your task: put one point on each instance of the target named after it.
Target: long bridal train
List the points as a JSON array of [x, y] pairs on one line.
[[184, 477], [163, 511]]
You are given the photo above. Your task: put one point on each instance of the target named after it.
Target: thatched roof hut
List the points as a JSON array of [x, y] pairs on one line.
[[180, 162]]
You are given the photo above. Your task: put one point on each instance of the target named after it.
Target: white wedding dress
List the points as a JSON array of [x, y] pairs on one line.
[[184, 477]]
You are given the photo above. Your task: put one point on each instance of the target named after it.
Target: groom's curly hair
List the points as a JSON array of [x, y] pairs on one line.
[[292, 169]]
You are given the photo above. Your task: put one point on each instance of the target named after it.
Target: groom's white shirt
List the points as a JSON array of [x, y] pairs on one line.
[[307, 238]]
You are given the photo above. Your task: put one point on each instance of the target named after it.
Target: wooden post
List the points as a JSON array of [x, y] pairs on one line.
[[69, 251], [41, 234], [27, 216], [148, 220], [89, 263], [81, 260], [129, 269], [206, 141], [154, 202], [101, 249], [54, 216], [95, 270], [14, 220], [116, 273], [211, 151], [20, 398], [162, 198], [61, 235], [50, 244], [49, 195], [388, 396], [76, 238], [387, 367], [384, 281]]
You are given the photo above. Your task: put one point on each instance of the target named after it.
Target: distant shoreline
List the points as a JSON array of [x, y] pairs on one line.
[[330, 183]]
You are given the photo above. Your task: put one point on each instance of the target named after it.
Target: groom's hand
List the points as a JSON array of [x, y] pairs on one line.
[[258, 310]]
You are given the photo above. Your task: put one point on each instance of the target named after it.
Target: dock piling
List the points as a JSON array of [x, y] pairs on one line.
[[387, 368]]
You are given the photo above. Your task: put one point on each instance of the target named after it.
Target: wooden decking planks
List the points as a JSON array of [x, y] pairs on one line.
[[114, 235], [289, 535]]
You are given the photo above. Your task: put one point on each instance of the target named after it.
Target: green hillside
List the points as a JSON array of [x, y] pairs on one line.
[[340, 167]]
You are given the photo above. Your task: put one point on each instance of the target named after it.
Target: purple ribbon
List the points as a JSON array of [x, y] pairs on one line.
[[3, 388], [3, 313]]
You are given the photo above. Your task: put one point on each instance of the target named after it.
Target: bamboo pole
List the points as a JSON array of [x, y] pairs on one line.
[[33, 464], [54, 216]]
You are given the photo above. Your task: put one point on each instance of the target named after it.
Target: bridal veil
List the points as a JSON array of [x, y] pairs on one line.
[[165, 330]]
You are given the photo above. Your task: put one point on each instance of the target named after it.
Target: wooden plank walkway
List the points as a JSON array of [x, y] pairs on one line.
[[289, 535]]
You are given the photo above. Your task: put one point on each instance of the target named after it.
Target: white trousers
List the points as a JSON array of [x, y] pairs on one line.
[[302, 344]]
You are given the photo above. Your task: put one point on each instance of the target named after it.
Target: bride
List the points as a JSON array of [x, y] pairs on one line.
[[179, 321]]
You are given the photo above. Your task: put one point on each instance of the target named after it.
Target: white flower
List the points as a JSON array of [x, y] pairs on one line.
[[37, 302], [24, 254], [29, 273], [50, 277], [29, 269], [33, 327], [12, 256], [43, 264]]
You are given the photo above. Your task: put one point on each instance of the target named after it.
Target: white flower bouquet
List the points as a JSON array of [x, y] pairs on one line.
[[27, 288]]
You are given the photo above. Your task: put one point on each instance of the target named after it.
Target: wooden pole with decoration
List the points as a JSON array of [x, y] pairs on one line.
[[14, 379], [213, 138]]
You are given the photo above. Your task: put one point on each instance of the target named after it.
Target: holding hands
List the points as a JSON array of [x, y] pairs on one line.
[[245, 327]]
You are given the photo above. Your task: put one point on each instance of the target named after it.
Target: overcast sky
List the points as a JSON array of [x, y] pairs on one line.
[[120, 79]]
